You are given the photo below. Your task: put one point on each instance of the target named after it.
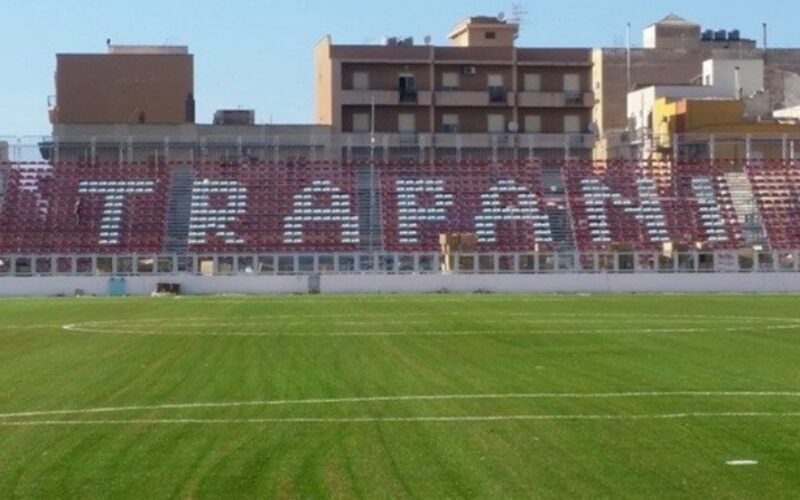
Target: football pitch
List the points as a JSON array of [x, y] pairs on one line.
[[425, 396]]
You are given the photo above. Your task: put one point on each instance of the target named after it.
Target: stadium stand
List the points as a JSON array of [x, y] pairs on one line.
[[776, 186], [75, 208], [292, 207]]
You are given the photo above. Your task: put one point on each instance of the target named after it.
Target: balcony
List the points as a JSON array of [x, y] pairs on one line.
[[462, 98], [473, 99], [579, 99], [383, 98], [407, 96], [498, 95], [555, 99]]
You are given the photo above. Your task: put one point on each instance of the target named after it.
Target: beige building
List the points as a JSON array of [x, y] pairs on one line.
[[480, 84], [673, 53], [128, 84]]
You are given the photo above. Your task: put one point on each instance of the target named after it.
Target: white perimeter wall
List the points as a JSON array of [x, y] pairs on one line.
[[144, 285], [567, 283]]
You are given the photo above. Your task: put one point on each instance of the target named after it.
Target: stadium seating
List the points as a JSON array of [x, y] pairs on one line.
[[287, 207], [76, 208], [502, 204], [293, 207], [777, 190]]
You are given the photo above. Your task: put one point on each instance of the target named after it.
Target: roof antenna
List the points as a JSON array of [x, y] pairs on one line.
[[518, 14]]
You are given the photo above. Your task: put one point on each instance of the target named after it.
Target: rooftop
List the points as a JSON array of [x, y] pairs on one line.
[[148, 49], [674, 20]]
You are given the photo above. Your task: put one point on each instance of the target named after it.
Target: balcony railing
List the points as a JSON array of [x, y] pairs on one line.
[[497, 95], [407, 95]]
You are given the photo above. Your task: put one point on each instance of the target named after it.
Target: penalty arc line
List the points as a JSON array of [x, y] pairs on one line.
[[140, 327]]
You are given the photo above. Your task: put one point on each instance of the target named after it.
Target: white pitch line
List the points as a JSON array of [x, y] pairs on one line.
[[433, 397], [741, 462], [430, 333], [140, 327], [466, 418]]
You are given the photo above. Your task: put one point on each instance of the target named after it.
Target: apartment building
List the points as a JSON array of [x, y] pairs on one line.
[[480, 84]]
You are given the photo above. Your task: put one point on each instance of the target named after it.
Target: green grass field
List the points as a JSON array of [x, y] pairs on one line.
[[434, 396]]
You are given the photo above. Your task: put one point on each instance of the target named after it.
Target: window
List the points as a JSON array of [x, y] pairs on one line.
[[497, 91], [496, 124], [572, 82], [407, 86], [406, 123], [450, 123], [572, 124], [491, 35], [533, 82], [533, 124], [407, 82], [360, 80], [450, 81], [361, 122]]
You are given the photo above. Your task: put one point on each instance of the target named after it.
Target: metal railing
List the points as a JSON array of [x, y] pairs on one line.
[[324, 147], [643, 145], [359, 147], [534, 263]]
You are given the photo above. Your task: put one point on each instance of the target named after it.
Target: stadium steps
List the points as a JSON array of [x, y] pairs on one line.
[[744, 202], [179, 210], [3, 177], [555, 197], [369, 211]]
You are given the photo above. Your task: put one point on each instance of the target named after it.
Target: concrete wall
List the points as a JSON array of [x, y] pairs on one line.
[[567, 283], [144, 285], [556, 283], [721, 74]]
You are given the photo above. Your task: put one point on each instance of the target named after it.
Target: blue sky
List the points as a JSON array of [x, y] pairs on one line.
[[258, 54]]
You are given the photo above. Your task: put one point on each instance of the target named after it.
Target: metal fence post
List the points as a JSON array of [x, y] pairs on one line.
[[676, 148], [747, 147], [784, 147], [712, 147]]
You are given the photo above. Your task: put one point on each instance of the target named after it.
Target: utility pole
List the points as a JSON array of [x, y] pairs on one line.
[[628, 57]]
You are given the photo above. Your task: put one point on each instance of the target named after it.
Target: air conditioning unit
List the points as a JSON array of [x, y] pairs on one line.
[[470, 70]]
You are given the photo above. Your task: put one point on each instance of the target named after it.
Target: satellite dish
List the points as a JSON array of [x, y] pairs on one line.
[[428, 40], [513, 127], [501, 16]]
